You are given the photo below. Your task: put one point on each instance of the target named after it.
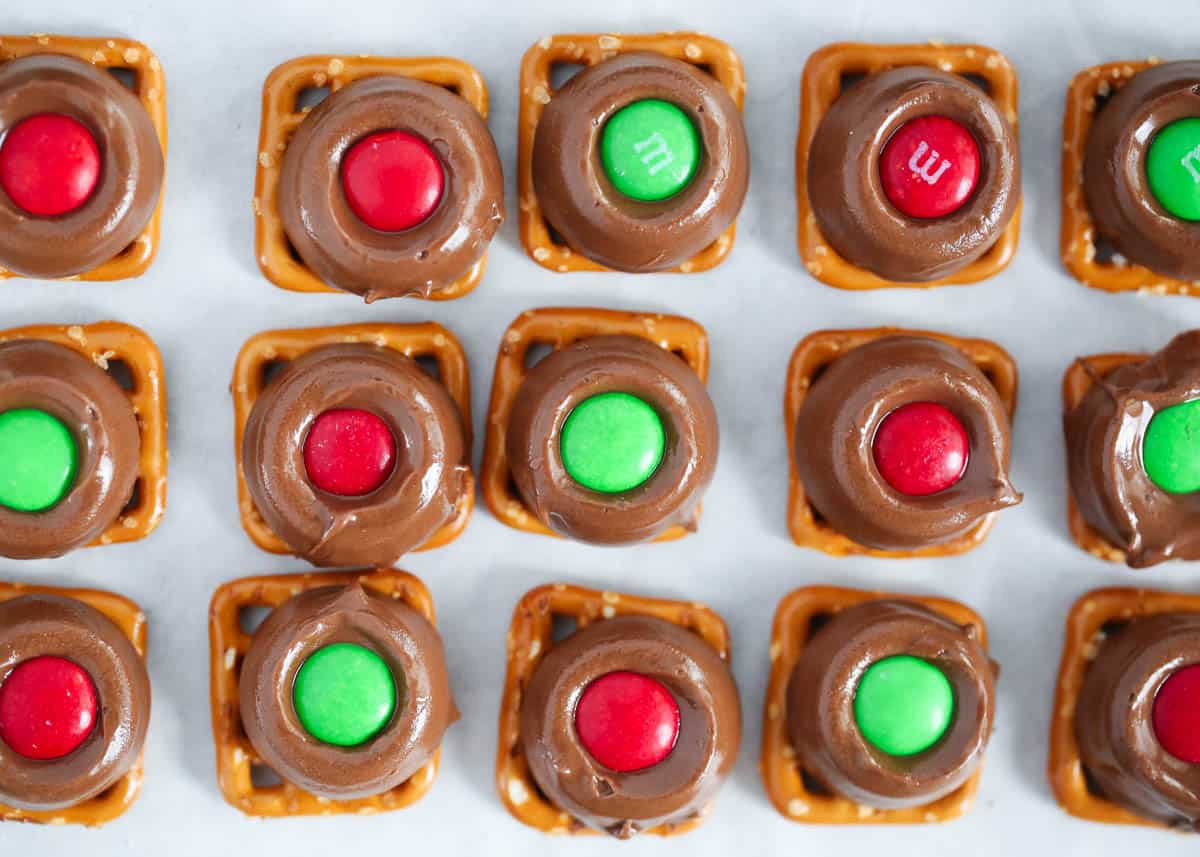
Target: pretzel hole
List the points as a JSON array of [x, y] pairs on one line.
[[451, 86], [706, 68], [682, 355], [812, 785], [309, 97], [129, 250], [107, 794], [125, 76], [1102, 97], [251, 616], [263, 777], [561, 72], [293, 252], [562, 626], [429, 365], [1090, 783], [134, 504], [848, 79], [978, 80], [513, 490], [815, 623], [120, 372], [536, 353], [268, 371], [1104, 252], [554, 236]]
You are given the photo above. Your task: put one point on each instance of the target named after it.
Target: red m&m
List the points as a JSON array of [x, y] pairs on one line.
[[921, 448], [49, 164], [930, 167], [349, 452], [627, 721], [393, 180], [1177, 714], [47, 708]]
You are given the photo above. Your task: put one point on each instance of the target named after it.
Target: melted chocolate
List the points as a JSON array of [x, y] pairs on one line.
[[131, 171], [603, 364], [345, 252], [1114, 720], [346, 614], [36, 625], [416, 500], [846, 191], [820, 706], [836, 429], [1119, 198], [63, 383], [596, 219], [1104, 435], [676, 789]]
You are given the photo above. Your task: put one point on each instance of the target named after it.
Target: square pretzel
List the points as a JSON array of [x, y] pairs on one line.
[[710, 55], [558, 328], [111, 344], [1084, 636], [282, 115], [270, 349], [820, 86], [1078, 241], [1077, 381], [150, 88], [530, 638], [814, 353], [114, 801], [785, 782], [237, 759]]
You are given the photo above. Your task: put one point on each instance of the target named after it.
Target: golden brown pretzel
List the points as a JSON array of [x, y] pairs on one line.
[[783, 779], [715, 57], [113, 802], [280, 118], [530, 637], [558, 328], [228, 645], [106, 343], [819, 88], [817, 351], [1084, 627], [150, 88], [1078, 239], [412, 340]]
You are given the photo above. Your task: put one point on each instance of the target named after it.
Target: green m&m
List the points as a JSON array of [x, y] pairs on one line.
[[1173, 168], [344, 694], [903, 705], [650, 150], [37, 460], [1171, 448], [612, 442]]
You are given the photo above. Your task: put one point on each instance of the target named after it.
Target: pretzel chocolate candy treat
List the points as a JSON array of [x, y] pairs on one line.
[[1133, 462], [82, 459], [879, 707], [74, 705], [342, 693], [390, 186], [609, 439], [631, 724], [1131, 177], [900, 441], [637, 163], [81, 158], [908, 170], [352, 452]]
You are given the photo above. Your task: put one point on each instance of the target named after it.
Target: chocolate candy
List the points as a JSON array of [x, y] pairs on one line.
[[640, 162], [310, 726], [391, 186], [621, 482], [863, 454], [81, 168], [76, 448], [319, 512], [643, 787], [913, 174], [53, 764], [1141, 170], [891, 749], [1129, 456], [1118, 715]]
